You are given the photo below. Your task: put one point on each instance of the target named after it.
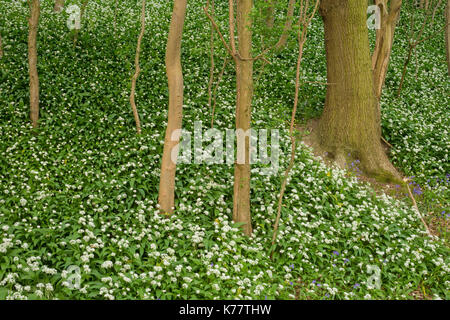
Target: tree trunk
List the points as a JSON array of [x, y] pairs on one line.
[[137, 71], [349, 126], [59, 6], [447, 33], [385, 39], [175, 78], [33, 23], [424, 4], [270, 14], [244, 94], [287, 26]]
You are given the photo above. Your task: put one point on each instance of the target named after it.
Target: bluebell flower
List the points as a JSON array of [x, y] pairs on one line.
[[417, 190]]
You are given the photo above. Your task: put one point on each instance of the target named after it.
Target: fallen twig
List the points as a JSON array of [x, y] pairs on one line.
[[416, 208], [385, 141]]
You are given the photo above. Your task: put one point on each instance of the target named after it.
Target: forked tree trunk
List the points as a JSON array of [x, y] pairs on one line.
[[287, 26], [244, 94], [447, 33], [33, 23], [175, 78], [384, 41], [59, 6], [349, 121]]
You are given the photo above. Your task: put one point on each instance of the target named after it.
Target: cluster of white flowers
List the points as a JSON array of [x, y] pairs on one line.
[[107, 264]]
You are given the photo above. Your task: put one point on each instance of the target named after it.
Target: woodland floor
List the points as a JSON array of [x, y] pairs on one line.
[[78, 199]]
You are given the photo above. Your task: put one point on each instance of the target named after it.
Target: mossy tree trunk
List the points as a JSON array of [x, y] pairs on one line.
[[174, 73], [349, 125], [33, 23], [244, 88]]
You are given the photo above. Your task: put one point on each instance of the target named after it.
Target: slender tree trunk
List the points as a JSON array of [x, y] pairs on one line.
[[415, 39], [405, 68], [385, 39], [287, 26], [447, 33], [137, 71], [33, 23], [349, 125], [270, 15], [175, 78], [304, 22], [59, 6], [244, 85], [424, 4]]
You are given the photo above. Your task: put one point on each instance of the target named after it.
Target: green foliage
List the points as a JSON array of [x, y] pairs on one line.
[[83, 191]]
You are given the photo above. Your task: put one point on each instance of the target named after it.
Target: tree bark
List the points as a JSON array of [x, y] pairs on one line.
[[59, 6], [270, 14], [447, 33], [33, 23], [349, 126], [424, 4], [384, 41], [175, 79], [244, 94], [137, 71]]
